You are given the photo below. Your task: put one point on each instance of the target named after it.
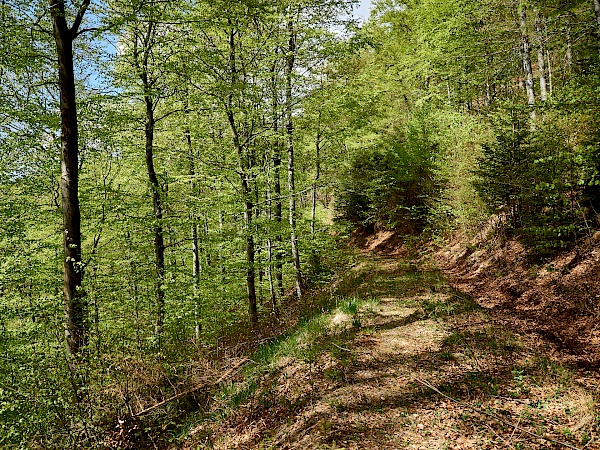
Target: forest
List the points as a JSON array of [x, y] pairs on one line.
[[186, 184]]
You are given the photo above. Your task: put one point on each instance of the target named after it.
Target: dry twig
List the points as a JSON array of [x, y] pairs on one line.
[[495, 417], [189, 391]]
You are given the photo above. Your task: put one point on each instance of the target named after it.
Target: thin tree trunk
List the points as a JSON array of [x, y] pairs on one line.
[[569, 50], [540, 55], [277, 184], [550, 81], [208, 256], [250, 254], [272, 292], [157, 205], [75, 304], [195, 246], [597, 11], [270, 273], [278, 211], [244, 172], [248, 207], [159, 244], [257, 211], [527, 62], [220, 253], [290, 60], [315, 182]]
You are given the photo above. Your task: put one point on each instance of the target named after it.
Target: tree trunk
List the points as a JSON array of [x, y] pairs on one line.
[[75, 304], [257, 211], [143, 66], [277, 184], [206, 249], [313, 215], [272, 292], [195, 247], [290, 60], [244, 172], [569, 50], [527, 62], [550, 81], [540, 55], [278, 212], [597, 10], [159, 244], [250, 254], [271, 272]]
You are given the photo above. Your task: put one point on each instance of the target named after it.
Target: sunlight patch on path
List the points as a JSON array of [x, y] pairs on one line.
[[363, 389], [411, 339]]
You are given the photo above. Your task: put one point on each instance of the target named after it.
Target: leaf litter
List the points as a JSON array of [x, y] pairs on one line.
[[428, 367]]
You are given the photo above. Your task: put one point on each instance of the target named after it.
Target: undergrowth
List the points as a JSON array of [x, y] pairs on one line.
[[444, 337]]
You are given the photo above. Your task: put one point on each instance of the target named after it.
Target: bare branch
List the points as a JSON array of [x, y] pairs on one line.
[[86, 30], [79, 18]]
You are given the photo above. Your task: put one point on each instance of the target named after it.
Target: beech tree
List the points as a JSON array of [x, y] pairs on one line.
[[202, 147], [289, 126], [526, 57], [76, 327]]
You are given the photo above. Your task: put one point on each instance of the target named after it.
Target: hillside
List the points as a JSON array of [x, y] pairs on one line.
[[269, 224], [553, 301], [412, 361]]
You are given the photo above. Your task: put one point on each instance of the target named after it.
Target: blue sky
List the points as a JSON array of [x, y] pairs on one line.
[[363, 9]]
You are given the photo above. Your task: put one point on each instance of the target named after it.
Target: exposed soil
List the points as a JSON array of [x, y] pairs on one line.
[[423, 365], [555, 303]]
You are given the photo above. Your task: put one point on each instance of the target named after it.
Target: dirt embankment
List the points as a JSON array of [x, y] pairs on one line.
[[555, 303], [411, 362]]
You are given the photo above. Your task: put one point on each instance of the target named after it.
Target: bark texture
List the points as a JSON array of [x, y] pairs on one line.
[[277, 210], [244, 172], [159, 242], [195, 241], [75, 305], [540, 55], [527, 67], [143, 62], [290, 63]]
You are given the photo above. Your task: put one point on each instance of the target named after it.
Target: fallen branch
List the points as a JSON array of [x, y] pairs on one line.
[[189, 391], [500, 437], [591, 440], [343, 348], [495, 417]]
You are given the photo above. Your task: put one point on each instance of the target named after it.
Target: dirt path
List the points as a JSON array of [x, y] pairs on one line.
[[364, 384]]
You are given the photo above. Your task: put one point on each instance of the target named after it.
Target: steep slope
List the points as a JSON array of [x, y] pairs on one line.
[[406, 361], [555, 302]]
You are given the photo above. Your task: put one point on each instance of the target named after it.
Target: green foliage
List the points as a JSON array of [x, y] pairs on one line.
[[415, 121], [503, 166], [386, 185], [538, 180]]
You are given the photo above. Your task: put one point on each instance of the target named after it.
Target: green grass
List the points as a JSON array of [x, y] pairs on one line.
[[305, 343]]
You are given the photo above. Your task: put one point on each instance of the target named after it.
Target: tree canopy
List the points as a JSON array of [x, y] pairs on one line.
[[174, 170]]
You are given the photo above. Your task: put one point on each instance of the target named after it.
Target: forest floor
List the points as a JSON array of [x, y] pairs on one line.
[[408, 360]]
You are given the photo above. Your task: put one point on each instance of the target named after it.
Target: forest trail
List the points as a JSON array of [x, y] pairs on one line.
[[413, 364]]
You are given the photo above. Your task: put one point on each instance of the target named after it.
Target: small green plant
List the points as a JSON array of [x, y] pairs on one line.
[[435, 309], [518, 375], [334, 374], [585, 439], [446, 355], [351, 307]]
